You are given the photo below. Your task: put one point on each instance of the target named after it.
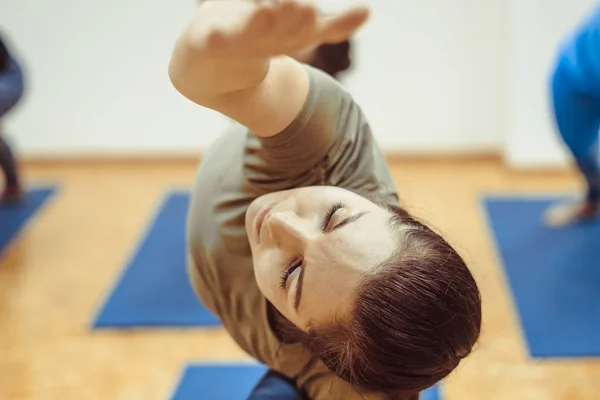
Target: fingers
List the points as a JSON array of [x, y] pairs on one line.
[[289, 17], [263, 21], [272, 27], [297, 23], [277, 18], [340, 27]]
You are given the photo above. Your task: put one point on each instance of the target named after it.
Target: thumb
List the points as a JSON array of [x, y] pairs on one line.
[[341, 26]]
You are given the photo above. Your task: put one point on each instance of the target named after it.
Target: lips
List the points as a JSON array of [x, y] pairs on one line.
[[260, 218]]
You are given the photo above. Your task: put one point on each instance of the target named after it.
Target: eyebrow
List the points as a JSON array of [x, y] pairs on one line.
[[343, 223]]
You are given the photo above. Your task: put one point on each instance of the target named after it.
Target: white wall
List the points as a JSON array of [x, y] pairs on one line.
[[97, 80], [429, 73], [537, 27]]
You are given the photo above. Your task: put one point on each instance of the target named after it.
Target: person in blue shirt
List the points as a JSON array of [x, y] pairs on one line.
[[11, 91], [575, 90]]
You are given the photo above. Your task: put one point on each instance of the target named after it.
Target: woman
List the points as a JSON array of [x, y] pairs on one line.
[[11, 90], [576, 100], [296, 237]]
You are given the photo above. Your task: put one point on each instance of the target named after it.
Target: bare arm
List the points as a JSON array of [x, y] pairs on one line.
[[231, 58]]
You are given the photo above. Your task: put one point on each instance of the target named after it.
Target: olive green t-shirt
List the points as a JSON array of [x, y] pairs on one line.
[[329, 143]]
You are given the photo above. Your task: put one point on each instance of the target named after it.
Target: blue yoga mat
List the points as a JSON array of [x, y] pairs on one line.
[[233, 382], [154, 290], [218, 381], [14, 218], [433, 393], [554, 275]]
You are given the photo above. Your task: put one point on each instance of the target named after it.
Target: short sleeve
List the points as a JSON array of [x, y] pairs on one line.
[[329, 142]]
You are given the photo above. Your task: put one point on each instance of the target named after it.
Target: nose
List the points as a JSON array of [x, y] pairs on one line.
[[287, 229]]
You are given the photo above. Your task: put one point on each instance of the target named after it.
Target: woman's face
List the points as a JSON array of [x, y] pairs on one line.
[[311, 246]]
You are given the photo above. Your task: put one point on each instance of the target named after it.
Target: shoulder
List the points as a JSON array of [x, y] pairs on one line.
[[217, 198]]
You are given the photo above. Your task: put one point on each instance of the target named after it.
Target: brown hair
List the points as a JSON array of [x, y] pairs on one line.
[[411, 322], [332, 58]]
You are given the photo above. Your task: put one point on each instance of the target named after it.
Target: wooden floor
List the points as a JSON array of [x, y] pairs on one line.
[[57, 274]]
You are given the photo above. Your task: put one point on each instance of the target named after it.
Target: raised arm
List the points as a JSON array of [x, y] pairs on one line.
[[231, 57]]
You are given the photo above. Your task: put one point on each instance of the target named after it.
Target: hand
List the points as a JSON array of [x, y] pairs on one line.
[[263, 28]]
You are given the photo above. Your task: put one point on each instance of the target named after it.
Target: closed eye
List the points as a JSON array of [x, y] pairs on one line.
[[326, 229], [346, 221], [285, 275], [329, 215]]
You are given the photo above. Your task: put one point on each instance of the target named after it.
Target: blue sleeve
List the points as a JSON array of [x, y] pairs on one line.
[[580, 54]]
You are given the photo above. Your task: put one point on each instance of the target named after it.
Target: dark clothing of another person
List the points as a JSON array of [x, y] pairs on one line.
[[11, 91]]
